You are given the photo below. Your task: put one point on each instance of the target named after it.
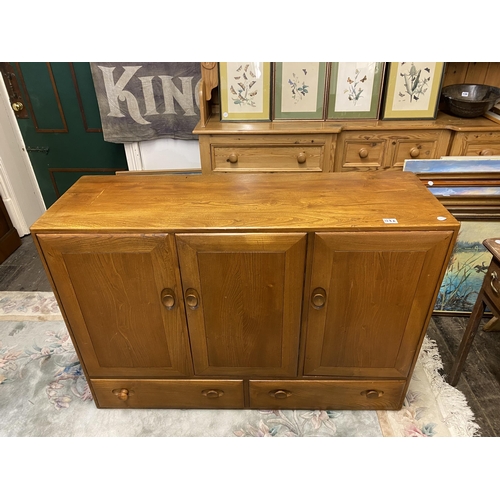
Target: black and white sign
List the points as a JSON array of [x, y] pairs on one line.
[[145, 101]]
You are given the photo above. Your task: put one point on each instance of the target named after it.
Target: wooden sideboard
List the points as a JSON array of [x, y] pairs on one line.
[[340, 146], [247, 291]]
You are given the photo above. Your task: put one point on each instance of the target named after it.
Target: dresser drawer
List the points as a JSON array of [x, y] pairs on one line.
[[491, 285], [268, 159], [130, 393], [368, 150], [327, 394], [476, 144]]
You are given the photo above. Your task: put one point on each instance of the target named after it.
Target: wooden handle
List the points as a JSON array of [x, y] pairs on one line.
[[486, 152], [363, 153], [280, 394], [372, 393], [301, 158], [168, 298], [192, 298], [212, 393], [122, 394], [414, 152], [233, 158], [318, 298], [494, 277]]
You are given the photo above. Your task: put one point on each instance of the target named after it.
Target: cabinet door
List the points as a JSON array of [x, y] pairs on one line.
[[370, 299], [121, 295], [243, 295]]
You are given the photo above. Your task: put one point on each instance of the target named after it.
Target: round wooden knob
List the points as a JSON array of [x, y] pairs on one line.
[[233, 158], [301, 158], [363, 153], [168, 298], [280, 394], [373, 394], [212, 393], [318, 298], [414, 152], [486, 152], [122, 394]]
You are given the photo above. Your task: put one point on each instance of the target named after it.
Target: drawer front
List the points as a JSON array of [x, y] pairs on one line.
[[327, 394], [362, 154], [476, 144], [271, 158], [491, 283], [130, 393]]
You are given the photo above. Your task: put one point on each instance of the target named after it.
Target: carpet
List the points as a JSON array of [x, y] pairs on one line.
[[43, 392]]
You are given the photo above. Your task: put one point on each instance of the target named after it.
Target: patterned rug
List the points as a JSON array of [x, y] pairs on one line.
[[43, 392]]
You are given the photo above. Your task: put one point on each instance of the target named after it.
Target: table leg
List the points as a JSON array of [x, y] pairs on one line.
[[469, 334]]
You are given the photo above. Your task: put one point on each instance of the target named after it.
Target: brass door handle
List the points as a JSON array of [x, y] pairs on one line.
[[192, 298], [168, 298], [17, 106], [494, 277], [318, 298]]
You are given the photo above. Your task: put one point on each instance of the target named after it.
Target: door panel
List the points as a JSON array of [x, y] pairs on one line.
[[111, 289], [62, 129], [378, 287], [248, 289]]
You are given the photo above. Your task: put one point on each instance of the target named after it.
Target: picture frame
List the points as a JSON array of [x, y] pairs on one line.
[[412, 90], [468, 264], [299, 90], [355, 90], [245, 91]]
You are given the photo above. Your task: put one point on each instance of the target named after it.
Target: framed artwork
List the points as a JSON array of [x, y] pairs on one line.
[[299, 90], [245, 91], [355, 90], [412, 90], [468, 265]]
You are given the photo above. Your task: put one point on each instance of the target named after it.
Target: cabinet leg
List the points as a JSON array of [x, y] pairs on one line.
[[465, 344]]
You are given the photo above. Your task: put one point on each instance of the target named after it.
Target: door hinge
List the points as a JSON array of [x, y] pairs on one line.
[[38, 149]]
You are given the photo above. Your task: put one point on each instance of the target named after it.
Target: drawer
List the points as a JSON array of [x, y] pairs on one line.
[[130, 393], [268, 158], [491, 284], [363, 155], [327, 394], [476, 144]]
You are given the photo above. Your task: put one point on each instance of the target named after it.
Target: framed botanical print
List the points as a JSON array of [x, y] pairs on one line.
[[412, 90], [299, 90], [355, 90], [245, 91]]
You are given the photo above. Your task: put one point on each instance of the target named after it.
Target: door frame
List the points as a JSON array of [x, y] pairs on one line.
[[19, 188]]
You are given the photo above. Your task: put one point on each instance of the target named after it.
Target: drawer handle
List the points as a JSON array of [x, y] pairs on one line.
[[486, 152], [494, 277], [122, 394], [168, 298], [363, 153], [212, 393], [280, 394], [192, 298], [372, 393], [301, 158], [318, 298], [233, 158], [414, 152]]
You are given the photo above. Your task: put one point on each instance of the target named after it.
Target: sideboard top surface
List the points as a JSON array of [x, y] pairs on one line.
[[244, 202]]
